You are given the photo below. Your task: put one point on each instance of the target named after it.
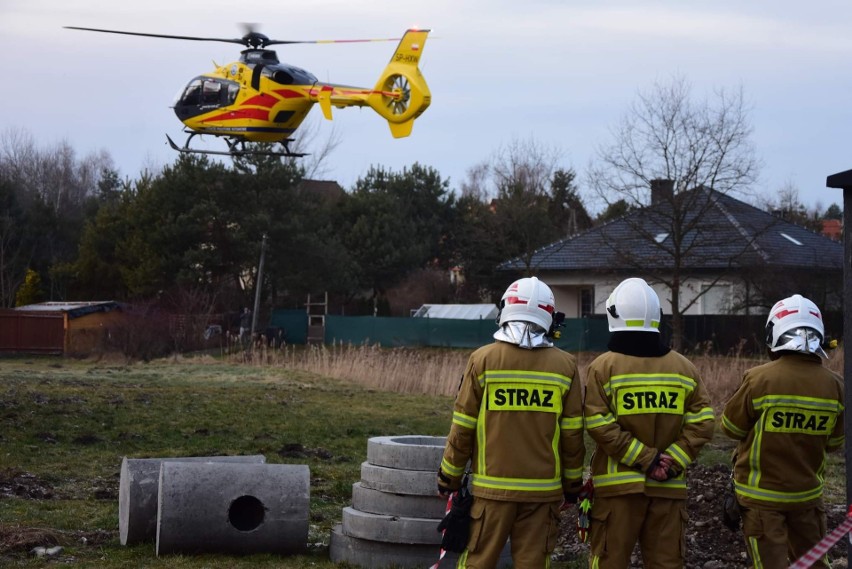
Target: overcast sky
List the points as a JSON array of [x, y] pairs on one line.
[[560, 72]]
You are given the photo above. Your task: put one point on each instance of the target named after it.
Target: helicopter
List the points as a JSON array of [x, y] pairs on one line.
[[260, 99]]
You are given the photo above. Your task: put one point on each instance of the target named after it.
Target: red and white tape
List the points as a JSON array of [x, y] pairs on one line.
[[820, 549], [444, 551]]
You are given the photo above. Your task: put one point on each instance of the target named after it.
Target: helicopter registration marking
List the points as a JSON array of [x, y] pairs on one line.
[[406, 58]]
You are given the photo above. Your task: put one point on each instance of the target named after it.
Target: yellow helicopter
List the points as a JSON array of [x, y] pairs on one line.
[[260, 99]]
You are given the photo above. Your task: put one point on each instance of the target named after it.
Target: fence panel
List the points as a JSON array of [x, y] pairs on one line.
[[32, 332]]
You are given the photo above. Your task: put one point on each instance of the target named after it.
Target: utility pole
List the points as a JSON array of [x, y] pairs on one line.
[[257, 285]]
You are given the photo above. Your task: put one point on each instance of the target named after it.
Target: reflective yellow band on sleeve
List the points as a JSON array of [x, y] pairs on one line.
[[517, 484], [735, 430], [706, 414], [572, 473], [463, 420], [595, 421], [756, 493], [679, 455], [632, 453], [451, 470], [568, 423], [837, 441]]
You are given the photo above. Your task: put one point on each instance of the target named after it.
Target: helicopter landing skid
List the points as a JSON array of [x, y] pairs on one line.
[[236, 147]]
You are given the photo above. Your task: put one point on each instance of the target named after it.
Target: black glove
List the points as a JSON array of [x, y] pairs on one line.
[[444, 484], [456, 524]]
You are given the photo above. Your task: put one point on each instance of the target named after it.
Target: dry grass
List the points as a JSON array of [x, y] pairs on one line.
[[436, 371]]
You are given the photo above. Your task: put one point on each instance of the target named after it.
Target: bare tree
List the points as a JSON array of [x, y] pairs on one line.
[[689, 151]]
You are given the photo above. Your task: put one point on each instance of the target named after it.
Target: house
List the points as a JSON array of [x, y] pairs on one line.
[[458, 311], [731, 258], [70, 328]]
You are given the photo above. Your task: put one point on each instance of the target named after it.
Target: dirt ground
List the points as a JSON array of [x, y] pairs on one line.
[[710, 545]]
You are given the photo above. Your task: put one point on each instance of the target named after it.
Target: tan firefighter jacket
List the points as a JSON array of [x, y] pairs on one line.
[[518, 420], [637, 407], [786, 415]]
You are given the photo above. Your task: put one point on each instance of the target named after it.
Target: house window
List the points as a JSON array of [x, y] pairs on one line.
[[587, 302]]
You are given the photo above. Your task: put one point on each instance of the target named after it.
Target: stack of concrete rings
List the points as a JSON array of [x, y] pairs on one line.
[[396, 508]]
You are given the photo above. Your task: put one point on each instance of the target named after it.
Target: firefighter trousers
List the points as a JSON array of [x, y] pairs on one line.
[[776, 538], [618, 522], [532, 526]]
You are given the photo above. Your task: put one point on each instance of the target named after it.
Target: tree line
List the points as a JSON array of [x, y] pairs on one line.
[[188, 238]]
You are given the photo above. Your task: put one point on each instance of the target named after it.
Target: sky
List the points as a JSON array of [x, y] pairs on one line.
[[561, 73]]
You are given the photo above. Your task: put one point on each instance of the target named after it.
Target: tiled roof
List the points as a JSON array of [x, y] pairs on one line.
[[729, 233]]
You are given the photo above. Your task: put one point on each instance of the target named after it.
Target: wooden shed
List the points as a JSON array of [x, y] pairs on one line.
[[68, 328]]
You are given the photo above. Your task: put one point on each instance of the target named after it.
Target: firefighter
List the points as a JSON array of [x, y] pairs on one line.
[[786, 414], [649, 414], [517, 421]]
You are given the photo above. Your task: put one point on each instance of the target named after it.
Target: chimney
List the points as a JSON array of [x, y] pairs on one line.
[[661, 190]]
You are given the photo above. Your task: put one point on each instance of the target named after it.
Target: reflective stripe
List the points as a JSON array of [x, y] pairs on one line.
[[813, 403], [450, 469], [756, 493], [754, 453], [649, 379], [596, 421], [755, 553], [523, 376], [480, 440], [602, 480], [837, 441], [632, 453], [518, 484], [463, 420], [733, 428], [569, 423], [641, 323], [706, 414], [675, 483], [462, 564], [572, 473], [679, 455], [595, 562]]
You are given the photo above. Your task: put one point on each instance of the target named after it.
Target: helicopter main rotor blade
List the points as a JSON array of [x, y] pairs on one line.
[[278, 42], [192, 38]]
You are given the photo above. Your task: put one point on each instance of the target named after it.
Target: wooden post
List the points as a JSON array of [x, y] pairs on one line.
[[844, 180]]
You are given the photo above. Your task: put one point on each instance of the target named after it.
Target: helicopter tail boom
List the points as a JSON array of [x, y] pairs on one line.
[[401, 93]]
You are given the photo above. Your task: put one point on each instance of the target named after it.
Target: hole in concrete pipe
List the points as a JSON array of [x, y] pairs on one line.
[[246, 513]]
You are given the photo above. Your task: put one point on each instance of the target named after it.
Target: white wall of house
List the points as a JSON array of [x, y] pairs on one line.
[[568, 291]]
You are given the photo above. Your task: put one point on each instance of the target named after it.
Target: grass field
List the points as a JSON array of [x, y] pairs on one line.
[[65, 426]]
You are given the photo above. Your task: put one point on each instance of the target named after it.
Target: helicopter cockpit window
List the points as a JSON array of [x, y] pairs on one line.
[[192, 94], [212, 93], [233, 91]]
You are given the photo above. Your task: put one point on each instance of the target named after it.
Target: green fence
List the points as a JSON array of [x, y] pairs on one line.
[[294, 323], [581, 334]]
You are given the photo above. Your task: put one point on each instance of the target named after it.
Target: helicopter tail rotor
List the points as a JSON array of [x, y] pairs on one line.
[[401, 94]]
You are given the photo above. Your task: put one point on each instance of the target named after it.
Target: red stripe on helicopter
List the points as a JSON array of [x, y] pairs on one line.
[[262, 100], [259, 114], [289, 94]]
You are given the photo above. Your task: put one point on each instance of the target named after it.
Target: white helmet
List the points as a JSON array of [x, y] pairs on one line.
[[528, 300], [795, 324], [633, 307]]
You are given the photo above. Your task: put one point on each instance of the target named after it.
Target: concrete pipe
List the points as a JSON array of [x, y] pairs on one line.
[[391, 529], [375, 554], [408, 452], [395, 481], [233, 508], [138, 489], [411, 506]]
